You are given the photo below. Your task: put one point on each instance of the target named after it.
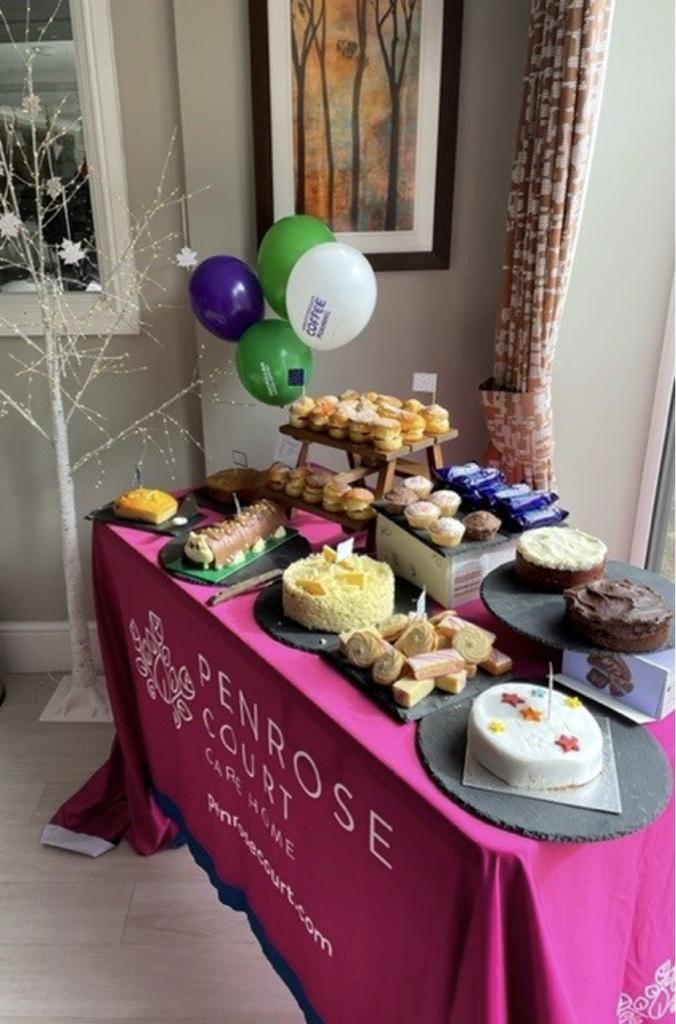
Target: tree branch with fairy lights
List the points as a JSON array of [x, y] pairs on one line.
[[47, 247]]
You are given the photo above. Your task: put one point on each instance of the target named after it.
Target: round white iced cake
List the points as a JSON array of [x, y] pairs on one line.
[[511, 733]]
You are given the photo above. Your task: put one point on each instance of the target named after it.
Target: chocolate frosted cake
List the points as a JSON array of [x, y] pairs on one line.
[[619, 615]]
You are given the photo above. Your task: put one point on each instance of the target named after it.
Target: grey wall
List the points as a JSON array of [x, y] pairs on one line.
[[30, 572], [427, 320]]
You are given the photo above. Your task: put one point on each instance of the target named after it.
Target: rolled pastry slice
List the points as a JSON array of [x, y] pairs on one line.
[[473, 644], [363, 646], [392, 628], [388, 667], [418, 638]]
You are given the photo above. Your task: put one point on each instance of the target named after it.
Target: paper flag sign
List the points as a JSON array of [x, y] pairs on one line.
[[421, 603], [239, 458], [425, 382], [287, 451], [138, 475], [344, 549], [296, 378]]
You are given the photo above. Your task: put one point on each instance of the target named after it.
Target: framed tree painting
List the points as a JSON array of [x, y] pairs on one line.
[[355, 113]]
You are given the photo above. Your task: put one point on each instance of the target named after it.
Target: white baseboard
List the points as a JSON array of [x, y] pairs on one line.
[[39, 646]]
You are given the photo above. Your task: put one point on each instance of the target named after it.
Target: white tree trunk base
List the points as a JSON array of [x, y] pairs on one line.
[[72, 702]]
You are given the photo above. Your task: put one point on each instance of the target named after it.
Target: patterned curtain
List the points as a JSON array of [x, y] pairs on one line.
[[568, 41]]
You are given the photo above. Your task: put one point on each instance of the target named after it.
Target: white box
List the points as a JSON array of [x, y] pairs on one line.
[[451, 579], [651, 678]]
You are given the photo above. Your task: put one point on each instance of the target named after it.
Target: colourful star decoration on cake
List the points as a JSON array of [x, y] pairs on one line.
[[568, 743], [513, 699], [532, 714], [573, 702], [497, 725]]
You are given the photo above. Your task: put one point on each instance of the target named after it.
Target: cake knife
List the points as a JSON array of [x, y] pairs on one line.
[[264, 579]]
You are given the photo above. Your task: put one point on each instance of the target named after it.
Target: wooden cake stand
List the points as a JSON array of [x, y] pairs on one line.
[[364, 460]]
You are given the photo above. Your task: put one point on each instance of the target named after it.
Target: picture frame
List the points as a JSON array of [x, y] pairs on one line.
[[349, 71]]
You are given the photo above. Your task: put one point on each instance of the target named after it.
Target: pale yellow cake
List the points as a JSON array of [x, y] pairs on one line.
[[322, 593]]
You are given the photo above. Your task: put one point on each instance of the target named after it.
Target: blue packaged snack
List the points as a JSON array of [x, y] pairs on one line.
[[526, 502], [457, 474], [539, 517], [510, 491], [481, 481]]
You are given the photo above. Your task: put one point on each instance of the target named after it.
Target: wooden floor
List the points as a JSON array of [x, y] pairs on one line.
[[119, 938]]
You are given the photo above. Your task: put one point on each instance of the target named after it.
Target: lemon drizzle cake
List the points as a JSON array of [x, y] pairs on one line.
[[320, 592]]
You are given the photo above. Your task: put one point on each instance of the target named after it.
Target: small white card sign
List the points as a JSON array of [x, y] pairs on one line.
[[287, 450], [425, 382], [421, 603], [344, 549], [239, 458]]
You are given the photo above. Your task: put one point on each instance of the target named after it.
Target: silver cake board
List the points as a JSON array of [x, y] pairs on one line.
[[643, 774]]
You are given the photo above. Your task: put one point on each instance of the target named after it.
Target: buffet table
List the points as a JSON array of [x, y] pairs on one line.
[[374, 896]]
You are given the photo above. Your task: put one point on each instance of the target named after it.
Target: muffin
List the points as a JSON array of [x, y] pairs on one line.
[[277, 475], [358, 503], [554, 558], [481, 525], [300, 410], [314, 485], [296, 481], [386, 434], [618, 615], [333, 495], [397, 500], [448, 502], [339, 424], [422, 486], [421, 514], [447, 532], [436, 420]]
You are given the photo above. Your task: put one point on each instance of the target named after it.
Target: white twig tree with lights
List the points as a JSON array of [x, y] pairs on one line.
[[67, 353]]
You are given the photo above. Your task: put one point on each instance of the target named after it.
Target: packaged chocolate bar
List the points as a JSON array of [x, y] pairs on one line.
[[458, 474], [503, 492], [526, 502], [549, 516]]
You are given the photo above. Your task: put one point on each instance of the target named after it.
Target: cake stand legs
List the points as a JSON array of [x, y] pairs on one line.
[[435, 458]]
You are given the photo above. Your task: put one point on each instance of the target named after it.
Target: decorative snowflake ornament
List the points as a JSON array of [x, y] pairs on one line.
[[9, 225], [32, 104], [54, 187], [71, 252], [186, 258]]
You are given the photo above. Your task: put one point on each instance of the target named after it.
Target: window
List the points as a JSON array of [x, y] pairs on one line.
[[76, 88]]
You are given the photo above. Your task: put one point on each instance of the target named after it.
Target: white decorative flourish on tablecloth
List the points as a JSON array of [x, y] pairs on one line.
[[656, 1001], [174, 686]]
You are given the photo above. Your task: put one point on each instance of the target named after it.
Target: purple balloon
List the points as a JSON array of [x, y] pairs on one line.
[[226, 297]]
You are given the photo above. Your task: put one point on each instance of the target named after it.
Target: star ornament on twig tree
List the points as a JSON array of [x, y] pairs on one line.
[[32, 104], [9, 225], [54, 187], [186, 258], [71, 252]]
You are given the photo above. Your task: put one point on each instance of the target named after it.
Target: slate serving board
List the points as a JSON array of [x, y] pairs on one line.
[[437, 700], [465, 547], [540, 616], [643, 772], [269, 615], [284, 553], [186, 508]]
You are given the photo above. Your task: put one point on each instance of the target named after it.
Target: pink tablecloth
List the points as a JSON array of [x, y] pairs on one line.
[[374, 895]]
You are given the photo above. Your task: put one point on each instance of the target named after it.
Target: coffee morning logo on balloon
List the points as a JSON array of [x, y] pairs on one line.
[[282, 246], [226, 297], [331, 295], [265, 354]]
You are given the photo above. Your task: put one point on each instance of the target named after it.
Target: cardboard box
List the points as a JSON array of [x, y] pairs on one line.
[[451, 578], [643, 685]]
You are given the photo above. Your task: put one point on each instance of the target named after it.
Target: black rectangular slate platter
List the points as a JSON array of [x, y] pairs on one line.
[[437, 700], [465, 547], [107, 515]]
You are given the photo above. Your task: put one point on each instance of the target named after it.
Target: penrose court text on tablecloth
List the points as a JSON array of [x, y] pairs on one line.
[[260, 752]]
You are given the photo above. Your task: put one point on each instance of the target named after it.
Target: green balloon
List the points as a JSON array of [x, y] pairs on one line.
[[265, 354], [283, 244]]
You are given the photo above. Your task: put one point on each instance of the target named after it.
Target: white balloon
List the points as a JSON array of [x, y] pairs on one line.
[[330, 295]]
